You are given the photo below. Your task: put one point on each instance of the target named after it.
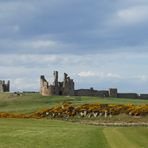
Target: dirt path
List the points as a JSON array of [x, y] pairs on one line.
[[113, 124]]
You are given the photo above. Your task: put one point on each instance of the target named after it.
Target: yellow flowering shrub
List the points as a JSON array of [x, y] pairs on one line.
[[66, 110]]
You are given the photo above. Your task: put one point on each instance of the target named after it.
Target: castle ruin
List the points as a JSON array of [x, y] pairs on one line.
[[66, 87], [4, 87]]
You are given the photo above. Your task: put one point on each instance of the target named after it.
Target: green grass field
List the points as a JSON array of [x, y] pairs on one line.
[[29, 133], [32, 102], [47, 133]]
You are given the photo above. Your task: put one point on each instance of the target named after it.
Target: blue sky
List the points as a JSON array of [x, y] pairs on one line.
[[100, 44]]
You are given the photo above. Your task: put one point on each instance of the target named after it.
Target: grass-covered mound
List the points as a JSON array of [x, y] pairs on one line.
[[28, 103], [90, 108], [104, 113]]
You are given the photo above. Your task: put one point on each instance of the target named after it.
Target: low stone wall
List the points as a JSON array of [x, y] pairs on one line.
[[128, 95], [108, 93], [90, 92], [143, 96]]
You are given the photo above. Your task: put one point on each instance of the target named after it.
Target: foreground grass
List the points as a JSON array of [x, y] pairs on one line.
[[49, 134], [28, 133], [129, 137], [31, 102], [46, 133]]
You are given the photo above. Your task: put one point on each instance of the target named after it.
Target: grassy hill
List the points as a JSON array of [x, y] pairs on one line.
[[28, 103]]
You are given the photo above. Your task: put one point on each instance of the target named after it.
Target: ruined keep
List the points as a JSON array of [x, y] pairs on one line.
[[4, 87], [66, 87]]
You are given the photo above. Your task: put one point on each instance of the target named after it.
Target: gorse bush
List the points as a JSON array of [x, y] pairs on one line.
[[86, 110], [96, 110]]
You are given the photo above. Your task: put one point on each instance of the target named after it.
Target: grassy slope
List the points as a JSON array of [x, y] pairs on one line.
[[28, 133], [32, 102]]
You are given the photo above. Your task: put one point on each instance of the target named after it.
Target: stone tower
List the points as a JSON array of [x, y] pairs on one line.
[[44, 86], [4, 87], [68, 85], [113, 92], [56, 83]]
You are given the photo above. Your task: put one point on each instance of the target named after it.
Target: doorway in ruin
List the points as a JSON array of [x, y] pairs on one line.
[[60, 93]]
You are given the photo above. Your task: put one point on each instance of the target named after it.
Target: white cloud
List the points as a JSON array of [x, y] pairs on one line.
[[100, 75], [87, 74], [36, 45], [142, 78], [11, 72], [133, 15], [112, 75], [39, 44], [23, 84], [109, 70]]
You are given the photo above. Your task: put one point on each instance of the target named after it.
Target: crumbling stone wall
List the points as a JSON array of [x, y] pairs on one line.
[[68, 85], [113, 92], [44, 87], [143, 96], [4, 87], [128, 95], [91, 92], [65, 87]]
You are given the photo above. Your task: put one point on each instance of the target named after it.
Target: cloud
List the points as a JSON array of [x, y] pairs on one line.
[[96, 70], [23, 84], [87, 74], [25, 60], [100, 75], [55, 27], [43, 44], [112, 75], [133, 15], [141, 78], [100, 43]]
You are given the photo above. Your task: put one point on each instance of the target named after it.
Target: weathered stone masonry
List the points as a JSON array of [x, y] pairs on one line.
[[112, 92], [65, 87], [4, 87]]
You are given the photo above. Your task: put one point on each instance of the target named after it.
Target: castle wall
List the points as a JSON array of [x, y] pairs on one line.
[[127, 95], [51, 90], [66, 87], [143, 96], [91, 92], [1, 88], [44, 88]]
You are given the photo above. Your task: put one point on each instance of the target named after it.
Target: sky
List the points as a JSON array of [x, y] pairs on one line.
[[100, 44]]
